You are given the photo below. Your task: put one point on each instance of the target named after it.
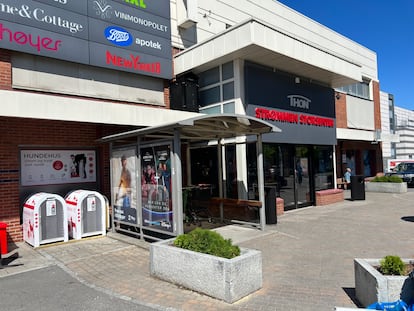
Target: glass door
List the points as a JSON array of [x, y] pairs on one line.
[[286, 168], [302, 180], [295, 189]]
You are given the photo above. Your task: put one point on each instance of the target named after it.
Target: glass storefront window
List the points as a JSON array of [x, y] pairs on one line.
[[297, 171], [360, 89], [323, 167]]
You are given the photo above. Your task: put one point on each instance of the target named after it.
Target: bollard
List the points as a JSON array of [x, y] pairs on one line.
[[3, 238]]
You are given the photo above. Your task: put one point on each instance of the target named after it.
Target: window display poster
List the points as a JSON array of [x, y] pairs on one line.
[[156, 187], [48, 167], [124, 176]]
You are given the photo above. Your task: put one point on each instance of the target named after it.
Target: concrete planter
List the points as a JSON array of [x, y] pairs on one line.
[[221, 278], [386, 187], [371, 286]]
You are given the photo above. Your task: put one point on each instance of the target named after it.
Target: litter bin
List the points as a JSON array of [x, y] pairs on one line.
[[270, 205], [3, 238], [357, 187]]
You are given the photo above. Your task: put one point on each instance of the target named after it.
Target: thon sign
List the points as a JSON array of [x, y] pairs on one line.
[[131, 35]]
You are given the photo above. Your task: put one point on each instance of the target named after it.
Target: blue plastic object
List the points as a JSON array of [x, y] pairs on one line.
[[398, 305]]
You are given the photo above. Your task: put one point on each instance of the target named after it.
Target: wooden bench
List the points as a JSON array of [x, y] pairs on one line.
[[341, 183], [236, 210], [329, 196]]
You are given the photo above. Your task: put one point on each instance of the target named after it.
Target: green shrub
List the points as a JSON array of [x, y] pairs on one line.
[[391, 178], [391, 265], [207, 242]]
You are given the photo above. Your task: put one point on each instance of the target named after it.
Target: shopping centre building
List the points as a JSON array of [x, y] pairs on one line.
[[87, 85]]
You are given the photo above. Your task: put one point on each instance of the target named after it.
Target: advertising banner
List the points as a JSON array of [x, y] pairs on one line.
[[156, 187], [49, 167], [124, 177]]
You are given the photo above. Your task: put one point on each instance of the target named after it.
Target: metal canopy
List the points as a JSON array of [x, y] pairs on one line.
[[200, 128], [205, 127]]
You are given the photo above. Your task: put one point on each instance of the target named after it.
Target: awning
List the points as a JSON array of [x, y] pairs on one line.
[[201, 128], [258, 42]]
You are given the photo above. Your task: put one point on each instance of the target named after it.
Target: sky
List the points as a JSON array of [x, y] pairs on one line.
[[383, 26]]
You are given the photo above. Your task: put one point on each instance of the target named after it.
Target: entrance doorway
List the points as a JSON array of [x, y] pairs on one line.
[[288, 167], [297, 171], [301, 181]]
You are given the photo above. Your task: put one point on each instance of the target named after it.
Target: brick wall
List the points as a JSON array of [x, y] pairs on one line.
[[17, 132], [377, 104], [5, 70], [329, 196], [340, 111], [280, 206]]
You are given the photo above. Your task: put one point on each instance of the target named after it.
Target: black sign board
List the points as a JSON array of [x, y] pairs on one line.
[[304, 111], [134, 34], [277, 90], [67, 5]]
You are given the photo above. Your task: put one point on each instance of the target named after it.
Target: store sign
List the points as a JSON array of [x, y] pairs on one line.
[[21, 38], [299, 101], [51, 167], [45, 17], [291, 117], [140, 42], [129, 17], [118, 36], [68, 5], [156, 7], [296, 127], [279, 91], [70, 30]]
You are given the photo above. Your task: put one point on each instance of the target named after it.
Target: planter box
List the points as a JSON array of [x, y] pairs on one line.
[[390, 187], [221, 278], [371, 286]]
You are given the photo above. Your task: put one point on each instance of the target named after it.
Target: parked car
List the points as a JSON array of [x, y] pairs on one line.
[[404, 170]]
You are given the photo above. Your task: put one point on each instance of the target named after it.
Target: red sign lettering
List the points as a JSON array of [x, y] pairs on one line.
[[22, 38], [289, 117], [133, 63], [275, 115]]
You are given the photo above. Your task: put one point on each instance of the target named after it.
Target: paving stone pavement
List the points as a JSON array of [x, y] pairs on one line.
[[307, 257]]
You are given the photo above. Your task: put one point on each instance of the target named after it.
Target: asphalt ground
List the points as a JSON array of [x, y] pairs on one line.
[[307, 263]]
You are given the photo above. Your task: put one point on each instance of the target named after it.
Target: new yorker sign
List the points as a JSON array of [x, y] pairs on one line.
[[127, 35]]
